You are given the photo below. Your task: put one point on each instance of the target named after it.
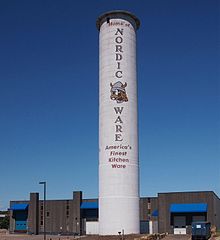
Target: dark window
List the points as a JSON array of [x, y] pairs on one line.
[[67, 212], [41, 222], [48, 214], [90, 214], [67, 207], [41, 207]]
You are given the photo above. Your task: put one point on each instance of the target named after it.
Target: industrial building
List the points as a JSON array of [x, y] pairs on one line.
[[168, 212]]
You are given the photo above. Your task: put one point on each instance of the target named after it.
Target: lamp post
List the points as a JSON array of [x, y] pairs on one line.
[[44, 183]]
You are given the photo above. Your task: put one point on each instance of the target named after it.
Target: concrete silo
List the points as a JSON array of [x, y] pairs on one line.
[[118, 128]]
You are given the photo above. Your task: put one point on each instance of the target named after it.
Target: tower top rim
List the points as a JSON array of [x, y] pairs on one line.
[[117, 13]]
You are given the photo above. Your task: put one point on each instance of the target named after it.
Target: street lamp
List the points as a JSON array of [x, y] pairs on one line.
[[44, 183]]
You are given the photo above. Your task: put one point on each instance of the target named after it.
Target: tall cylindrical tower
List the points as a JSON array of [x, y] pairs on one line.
[[118, 128]]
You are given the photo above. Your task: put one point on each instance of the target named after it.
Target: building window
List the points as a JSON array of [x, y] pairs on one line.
[[48, 214], [41, 223], [41, 207]]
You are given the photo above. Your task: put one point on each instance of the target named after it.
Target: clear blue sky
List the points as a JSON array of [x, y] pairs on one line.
[[49, 96]]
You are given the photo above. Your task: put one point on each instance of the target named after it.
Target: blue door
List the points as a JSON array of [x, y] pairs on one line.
[[20, 225], [20, 217]]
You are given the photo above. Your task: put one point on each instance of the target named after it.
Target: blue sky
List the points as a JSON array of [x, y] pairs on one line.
[[49, 96]]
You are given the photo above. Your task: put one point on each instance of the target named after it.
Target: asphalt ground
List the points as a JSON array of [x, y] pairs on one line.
[[127, 237], [41, 237], [95, 237]]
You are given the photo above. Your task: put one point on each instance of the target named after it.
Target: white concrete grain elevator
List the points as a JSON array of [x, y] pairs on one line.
[[118, 128]]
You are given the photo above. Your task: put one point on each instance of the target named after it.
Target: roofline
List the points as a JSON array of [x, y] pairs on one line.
[[190, 192], [90, 199], [96, 199], [141, 197]]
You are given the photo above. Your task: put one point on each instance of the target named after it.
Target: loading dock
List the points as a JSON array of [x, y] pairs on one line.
[[20, 216], [182, 215]]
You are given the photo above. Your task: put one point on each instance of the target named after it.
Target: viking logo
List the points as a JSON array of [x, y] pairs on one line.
[[118, 92]]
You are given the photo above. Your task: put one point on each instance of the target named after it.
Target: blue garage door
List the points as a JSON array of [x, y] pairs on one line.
[[20, 225], [20, 217]]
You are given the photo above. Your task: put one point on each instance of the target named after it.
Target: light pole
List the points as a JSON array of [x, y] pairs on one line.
[[44, 183]]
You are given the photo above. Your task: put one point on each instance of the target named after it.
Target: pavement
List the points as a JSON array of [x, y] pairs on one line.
[[52, 237], [35, 237], [95, 237]]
